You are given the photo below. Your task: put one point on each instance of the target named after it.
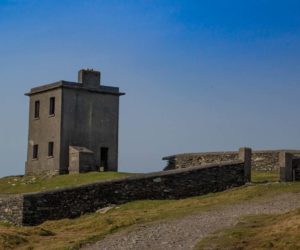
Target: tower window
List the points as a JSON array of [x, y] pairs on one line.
[[50, 148], [35, 151], [37, 109], [52, 106]]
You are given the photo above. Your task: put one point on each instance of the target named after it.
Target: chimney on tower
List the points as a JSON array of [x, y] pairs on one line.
[[89, 77]]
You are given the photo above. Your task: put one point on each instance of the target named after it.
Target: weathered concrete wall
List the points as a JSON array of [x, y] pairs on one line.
[[174, 184], [90, 120], [266, 160], [11, 209], [81, 160], [289, 167], [296, 168], [46, 128]]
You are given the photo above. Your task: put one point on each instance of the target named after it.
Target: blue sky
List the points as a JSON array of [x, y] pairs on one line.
[[199, 75]]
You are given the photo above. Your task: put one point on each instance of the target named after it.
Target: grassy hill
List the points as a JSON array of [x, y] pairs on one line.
[[71, 233], [26, 184]]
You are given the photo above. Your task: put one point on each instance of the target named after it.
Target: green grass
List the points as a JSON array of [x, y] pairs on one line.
[[258, 232], [263, 177], [26, 184]]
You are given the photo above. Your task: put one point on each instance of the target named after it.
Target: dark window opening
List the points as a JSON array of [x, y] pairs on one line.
[[52, 106], [104, 158], [35, 151], [50, 148], [37, 109]]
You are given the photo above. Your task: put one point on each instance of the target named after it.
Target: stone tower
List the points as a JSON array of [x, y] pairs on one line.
[[73, 126]]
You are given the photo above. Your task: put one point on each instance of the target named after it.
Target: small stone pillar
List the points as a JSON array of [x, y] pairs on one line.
[[245, 155], [286, 166]]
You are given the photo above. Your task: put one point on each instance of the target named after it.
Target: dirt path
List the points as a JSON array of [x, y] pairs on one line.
[[185, 232]]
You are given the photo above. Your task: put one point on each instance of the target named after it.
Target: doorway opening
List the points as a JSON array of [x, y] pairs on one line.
[[104, 158]]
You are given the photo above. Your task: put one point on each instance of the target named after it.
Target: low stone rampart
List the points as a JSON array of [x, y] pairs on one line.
[[263, 160], [35, 208]]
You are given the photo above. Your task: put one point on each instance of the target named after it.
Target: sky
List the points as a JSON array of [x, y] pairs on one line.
[[199, 76]]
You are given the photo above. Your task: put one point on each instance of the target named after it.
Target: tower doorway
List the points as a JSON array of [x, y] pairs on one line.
[[104, 158]]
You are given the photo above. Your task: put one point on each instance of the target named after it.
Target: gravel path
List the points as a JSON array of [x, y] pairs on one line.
[[184, 233]]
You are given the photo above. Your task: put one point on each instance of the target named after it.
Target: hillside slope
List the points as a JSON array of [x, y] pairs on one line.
[[185, 232], [258, 232], [73, 233]]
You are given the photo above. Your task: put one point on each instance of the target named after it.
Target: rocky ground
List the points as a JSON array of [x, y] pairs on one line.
[[184, 233]]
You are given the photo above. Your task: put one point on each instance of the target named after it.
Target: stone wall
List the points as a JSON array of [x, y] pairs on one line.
[[266, 160], [173, 184], [11, 209]]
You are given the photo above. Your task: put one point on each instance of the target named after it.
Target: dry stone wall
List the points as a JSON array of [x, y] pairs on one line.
[[267, 160], [35, 208], [11, 209]]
